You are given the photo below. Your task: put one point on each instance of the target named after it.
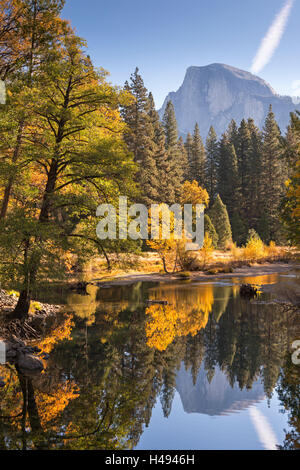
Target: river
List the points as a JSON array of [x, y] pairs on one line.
[[209, 370]]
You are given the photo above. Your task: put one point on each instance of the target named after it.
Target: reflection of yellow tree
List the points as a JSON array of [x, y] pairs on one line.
[[261, 280], [31, 403], [84, 306], [181, 317], [50, 405], [61, 332]]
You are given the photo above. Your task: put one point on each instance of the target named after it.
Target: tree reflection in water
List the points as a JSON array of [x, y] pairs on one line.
[[114, 357]]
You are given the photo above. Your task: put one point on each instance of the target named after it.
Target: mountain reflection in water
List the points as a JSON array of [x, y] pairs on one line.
[[113, 358]]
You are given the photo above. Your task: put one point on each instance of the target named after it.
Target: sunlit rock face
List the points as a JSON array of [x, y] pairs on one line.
[[217, 93], [216, 397]]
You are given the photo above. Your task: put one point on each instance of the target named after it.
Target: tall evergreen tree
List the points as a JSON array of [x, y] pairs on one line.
[[292, 144], [243, 154], [184, 159], [220, 219], [198, 158], [140, 137], [229, 186], [272, 179], [254, 203], [165, 188], [210, 230], [189, 152], [290, 205], [211, 170], [173, 150], [233, 134]]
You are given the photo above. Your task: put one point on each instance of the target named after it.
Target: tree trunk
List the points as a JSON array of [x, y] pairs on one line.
[[30, 408], [22, 308], [165, 265], [8, 187], [50, 186]]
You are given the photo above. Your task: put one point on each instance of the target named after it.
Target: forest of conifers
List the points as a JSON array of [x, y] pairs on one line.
[[70, 141]]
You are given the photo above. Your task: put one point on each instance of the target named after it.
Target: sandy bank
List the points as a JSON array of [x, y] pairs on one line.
[[245, 271]]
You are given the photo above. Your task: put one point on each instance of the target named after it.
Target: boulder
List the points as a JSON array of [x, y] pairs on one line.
[[29, 363], [248, 291]]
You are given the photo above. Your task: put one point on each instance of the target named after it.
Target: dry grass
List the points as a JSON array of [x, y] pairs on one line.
[[219, 262]]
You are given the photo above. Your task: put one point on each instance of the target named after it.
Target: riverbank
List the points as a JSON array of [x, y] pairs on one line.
[[18, 335], [244, 271], [8, 301]]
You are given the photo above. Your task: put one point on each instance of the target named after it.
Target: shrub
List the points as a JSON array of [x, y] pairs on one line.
[[236, 252], [185, 275], [206, 251], [272, 249], [254, 249], [210, 229]]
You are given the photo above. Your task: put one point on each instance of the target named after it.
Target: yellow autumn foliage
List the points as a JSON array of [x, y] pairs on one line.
[[180, 317]]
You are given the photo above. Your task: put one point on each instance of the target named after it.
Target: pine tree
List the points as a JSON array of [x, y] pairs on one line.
[[170, 126], [184, 159], [220, 219], [233, 135], [290, 205], [243, 154], [140, 137], [229, 186], [165, 187], [254, 203], [211, 170], [272, 179], [189, 152], [173, 150], [244, 170], [292, 144], [210, 230], [198, 159]]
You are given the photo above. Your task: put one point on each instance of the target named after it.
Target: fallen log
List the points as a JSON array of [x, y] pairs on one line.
[[158, 302]]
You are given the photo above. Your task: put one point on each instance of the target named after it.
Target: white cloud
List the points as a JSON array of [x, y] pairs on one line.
[[263, 428], [272, 39]]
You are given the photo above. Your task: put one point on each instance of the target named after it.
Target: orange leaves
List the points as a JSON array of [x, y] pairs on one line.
[[51, 405], [62, 332], [192, 193], [179, 318], [161, 328]]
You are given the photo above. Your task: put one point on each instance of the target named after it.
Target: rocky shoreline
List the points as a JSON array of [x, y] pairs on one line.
[[9, 301], [14, 334]]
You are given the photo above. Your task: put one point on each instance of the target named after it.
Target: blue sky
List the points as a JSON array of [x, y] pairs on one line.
[[164, 37]]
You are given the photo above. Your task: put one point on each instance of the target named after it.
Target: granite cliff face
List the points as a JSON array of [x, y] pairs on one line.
[[217, 93], [215, 398]]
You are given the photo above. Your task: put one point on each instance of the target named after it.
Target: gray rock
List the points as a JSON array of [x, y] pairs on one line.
[[30, 363], [11, 354], [217, 93]]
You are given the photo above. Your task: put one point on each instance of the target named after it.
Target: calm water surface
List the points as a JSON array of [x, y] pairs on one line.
[[209, 370]]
